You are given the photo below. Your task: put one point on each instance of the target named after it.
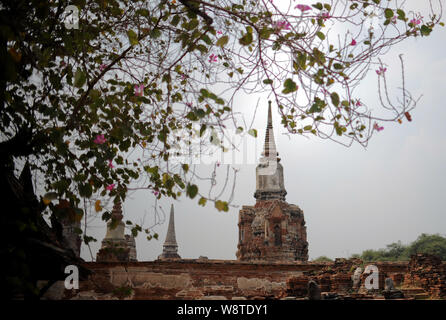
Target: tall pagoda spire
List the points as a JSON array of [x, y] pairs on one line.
[[170, 247], [269, 172], [269, 148]]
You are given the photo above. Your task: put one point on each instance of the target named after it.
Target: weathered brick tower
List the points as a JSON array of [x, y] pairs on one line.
[[272, 229]]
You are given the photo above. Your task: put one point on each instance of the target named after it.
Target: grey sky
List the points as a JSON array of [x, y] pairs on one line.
[[353, 198]]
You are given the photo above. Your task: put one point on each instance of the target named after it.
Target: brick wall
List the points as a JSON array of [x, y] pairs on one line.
[[201, 279]]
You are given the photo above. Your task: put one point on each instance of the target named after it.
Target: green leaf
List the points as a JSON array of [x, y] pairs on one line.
[[388, 13], [191, 190], [320, 35], [222, 41], [335, 98], [133, 38], [401, 14], [206, 39], [246, 39], [155, 33], [338, 66], [317, 6], [425, 30], [221, 205], [253, 132], [317, 106], [79, 78], [268, 81], [289, 86], [202, 202]]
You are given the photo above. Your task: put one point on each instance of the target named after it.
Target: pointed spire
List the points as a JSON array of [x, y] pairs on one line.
[[269, 172], [269, 149], [170, 247], [117, 211], [171, 238]]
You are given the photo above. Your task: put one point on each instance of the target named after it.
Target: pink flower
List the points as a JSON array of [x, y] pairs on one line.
[[393, 20], [189, 104], [100, 139], [353, 42], [219, 32], [218, 163], [156, 192], [110, 187], [139, 90], [302, 7], [110, 164], [377, 127], [212, 58], [381, 71], [415, 21], [358, 103], [282, 25], [102, 67]]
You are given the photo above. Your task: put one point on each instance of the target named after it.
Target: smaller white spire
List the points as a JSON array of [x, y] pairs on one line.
[[170, 247]]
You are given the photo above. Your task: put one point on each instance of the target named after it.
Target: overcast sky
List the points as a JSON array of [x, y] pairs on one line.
[[353, 198]]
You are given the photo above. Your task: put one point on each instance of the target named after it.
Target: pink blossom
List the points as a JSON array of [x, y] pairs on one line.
[[377, 127], [110, 187], [218, 163], [139, 90], [102, 67], [100, 139], [189, 104], [302, 7], [381, 71], [393, 20], [282, 25], [212, 58], [156, 192], [353, 42], [358, 103], [219, 32], [415, 21], [110, 164]]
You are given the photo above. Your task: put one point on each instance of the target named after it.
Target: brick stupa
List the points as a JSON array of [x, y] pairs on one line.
[[272, 229]]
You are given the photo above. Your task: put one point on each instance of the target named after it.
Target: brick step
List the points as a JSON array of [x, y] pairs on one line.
[[413, 291]]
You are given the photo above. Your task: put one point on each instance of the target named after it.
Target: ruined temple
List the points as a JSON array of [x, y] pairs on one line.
[[272, 229], [117, 246]]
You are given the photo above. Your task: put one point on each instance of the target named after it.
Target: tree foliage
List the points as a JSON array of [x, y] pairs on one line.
[[425, 243], [96, 109], [322, 259]]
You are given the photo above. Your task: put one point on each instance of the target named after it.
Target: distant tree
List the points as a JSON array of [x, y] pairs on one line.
[[425, 243], [433, 244], [322, 259]]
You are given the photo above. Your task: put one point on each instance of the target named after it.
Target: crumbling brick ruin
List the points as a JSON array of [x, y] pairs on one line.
[[272, 260], [427, 272], [272, 229]]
